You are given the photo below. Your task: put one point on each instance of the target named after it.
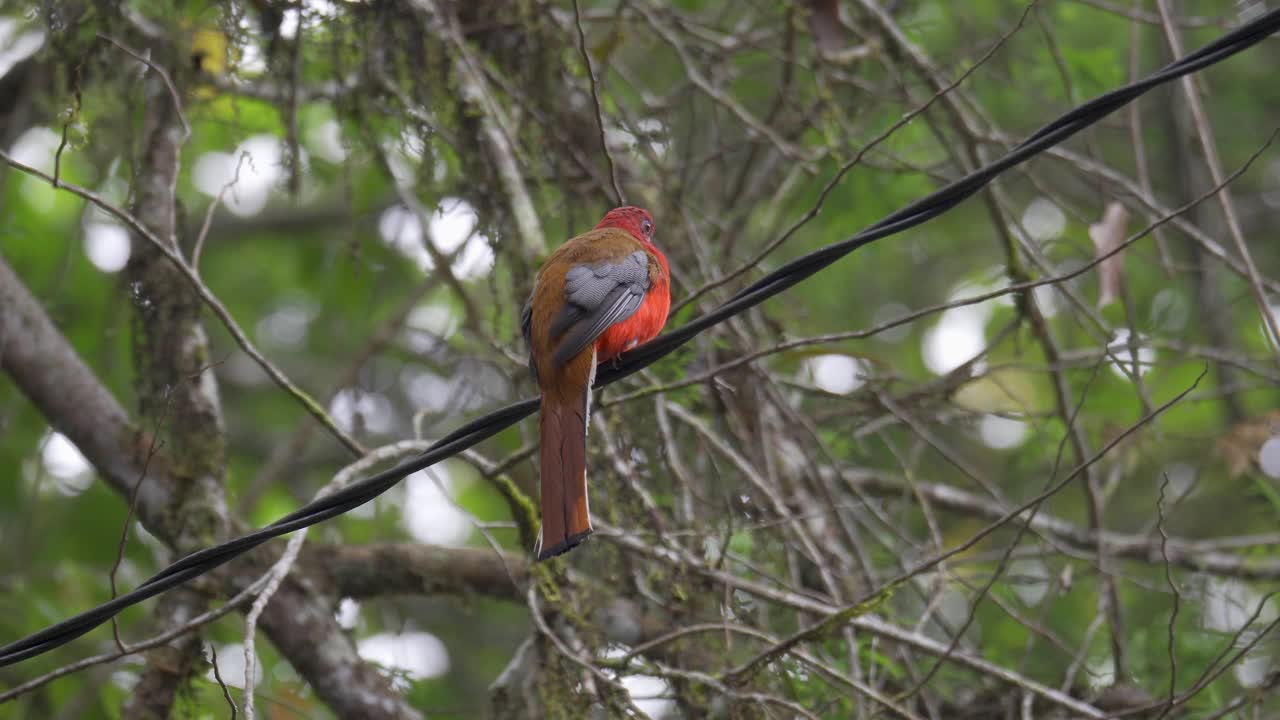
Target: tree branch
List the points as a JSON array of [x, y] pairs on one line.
[[49, 372], [177, 394], [363, 571]]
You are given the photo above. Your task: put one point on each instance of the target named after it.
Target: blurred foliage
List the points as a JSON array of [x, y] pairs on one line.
[[343, 111]]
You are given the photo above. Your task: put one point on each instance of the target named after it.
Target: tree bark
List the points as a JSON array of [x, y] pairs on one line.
[[50, 373], [177, 394]]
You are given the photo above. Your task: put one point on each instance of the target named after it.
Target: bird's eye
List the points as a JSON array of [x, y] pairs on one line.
[[646, 227]]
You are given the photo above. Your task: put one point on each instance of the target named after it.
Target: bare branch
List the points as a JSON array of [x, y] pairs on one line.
[[206, 295], [595, 99]]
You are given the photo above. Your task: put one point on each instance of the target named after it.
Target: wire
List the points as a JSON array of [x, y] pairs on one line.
[[784, 277]]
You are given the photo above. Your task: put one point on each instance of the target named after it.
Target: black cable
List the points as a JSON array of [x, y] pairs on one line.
[[791, 273]]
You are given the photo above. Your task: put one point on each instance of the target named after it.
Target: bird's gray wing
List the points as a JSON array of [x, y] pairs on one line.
[[597, 296]]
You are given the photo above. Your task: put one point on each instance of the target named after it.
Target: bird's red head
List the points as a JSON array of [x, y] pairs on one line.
[[634, 220]]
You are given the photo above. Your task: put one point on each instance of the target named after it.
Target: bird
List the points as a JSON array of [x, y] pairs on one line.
[[597, 296]]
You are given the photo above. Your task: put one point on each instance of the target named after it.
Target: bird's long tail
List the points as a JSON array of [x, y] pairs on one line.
[[566, 520]]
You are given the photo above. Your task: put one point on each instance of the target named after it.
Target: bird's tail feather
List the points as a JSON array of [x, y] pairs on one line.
[[566, 520]]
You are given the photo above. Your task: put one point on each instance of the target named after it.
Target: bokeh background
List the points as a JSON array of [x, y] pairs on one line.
[[370, 188]]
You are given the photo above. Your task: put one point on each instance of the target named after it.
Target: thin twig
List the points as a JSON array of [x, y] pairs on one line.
[[1136, 138], [1169, 217], [595, 99], [497, 128], [872, 598], [191, 625], [145, 59], [198, 248], [152, 448], [1204, 131], [206, 296], [73, 114], [839, 175], [280, 569], [217, 675], [868, 623], [1173, 590]]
